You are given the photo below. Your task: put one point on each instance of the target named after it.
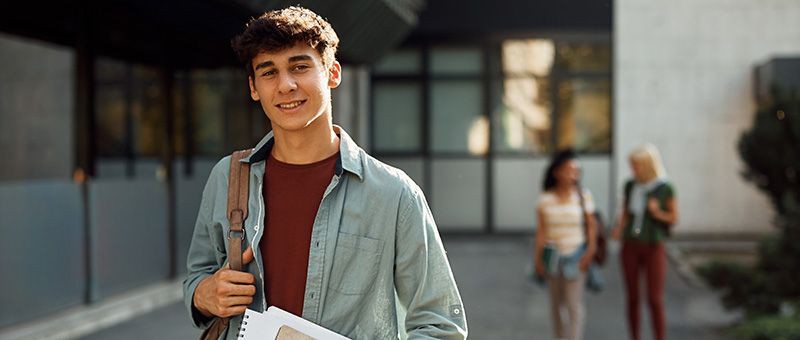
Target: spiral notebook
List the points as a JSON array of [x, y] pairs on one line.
[[278, 324]]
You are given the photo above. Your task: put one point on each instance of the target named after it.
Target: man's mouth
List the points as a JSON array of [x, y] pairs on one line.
[[291, 105]]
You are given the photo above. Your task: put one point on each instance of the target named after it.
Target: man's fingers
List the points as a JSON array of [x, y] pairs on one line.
[[241, 290], [234, 276], [235, 301], [232, 311], [247, 256]]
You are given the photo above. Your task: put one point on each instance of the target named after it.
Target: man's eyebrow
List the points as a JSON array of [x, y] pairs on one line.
[[265, 64], [303, 57], [292, 59]]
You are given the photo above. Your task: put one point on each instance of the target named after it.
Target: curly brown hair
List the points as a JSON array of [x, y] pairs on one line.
[[280, 29]]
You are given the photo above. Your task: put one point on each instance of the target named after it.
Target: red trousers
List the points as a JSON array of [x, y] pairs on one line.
[[650, 260]]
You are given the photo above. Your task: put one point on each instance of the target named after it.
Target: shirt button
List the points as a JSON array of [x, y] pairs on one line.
[[256, 228], [457, 311]]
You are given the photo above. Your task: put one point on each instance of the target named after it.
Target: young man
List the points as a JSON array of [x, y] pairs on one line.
[[334, 235]]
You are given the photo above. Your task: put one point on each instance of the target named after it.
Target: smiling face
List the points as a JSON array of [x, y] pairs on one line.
[[568, 173], [294, 87]]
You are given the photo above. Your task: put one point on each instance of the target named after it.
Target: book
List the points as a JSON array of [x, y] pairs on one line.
[[279, 324], [550, 258]]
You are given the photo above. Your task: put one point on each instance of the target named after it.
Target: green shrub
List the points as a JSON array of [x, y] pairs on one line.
[[770, 150], [769, 328]]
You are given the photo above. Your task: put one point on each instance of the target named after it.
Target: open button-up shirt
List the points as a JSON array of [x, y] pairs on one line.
[[377, 268]]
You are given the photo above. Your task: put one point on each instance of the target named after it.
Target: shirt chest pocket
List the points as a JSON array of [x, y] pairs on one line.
[[355, 264]]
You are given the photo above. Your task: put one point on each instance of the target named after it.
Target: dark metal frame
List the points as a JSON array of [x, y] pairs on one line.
[[489, 46]]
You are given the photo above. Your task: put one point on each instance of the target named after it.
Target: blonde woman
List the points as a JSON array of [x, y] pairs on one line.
[[560, 228], [649, 211]]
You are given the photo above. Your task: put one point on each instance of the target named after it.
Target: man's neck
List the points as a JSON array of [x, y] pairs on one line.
[[308, 145]]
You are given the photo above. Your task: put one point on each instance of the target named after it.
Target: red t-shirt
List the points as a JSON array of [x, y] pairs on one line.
[[292, 194]]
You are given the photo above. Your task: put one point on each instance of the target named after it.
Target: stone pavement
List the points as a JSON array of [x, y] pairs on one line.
[[502, 304]]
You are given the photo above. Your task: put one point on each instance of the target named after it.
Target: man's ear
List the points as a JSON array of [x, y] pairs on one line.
[[253, 92], [334, 75]]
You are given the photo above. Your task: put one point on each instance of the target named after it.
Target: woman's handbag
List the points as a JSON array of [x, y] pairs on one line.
[[600, 252], [238, 182], [594, 279]]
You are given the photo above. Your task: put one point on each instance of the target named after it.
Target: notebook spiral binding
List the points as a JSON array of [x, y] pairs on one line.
[[242, 326]]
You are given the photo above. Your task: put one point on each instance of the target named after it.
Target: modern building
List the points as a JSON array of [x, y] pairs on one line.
[[111, 116], [684, 80], [113, 113]]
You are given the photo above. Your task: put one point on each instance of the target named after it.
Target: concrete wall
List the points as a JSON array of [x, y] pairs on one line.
[[36, 109], [42, 249], [682, 80]]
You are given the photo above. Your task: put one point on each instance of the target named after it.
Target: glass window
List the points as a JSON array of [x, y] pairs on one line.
[[457, 123], [179, 120], [397, 116], [584, 56], [401, 61], [528, 57], [523, 115], [148, 112], [584, 114], [456, 60], [237, 113], [111, 107], [208, 107], [37, 110]]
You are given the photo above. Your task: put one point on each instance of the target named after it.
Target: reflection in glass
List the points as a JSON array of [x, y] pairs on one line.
[[397, 116], [401, 61], [585, 115], [528, 57], [456, 60], [523, 120], [455, 117], [148, 111], [179, 120], [478, 140], [584, 56], [208, 98], [110, 107]]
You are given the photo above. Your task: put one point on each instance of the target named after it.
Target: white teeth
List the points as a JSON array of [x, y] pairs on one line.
[[290, 105]]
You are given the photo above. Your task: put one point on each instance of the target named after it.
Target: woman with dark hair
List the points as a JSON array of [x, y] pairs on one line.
[[562, 239]]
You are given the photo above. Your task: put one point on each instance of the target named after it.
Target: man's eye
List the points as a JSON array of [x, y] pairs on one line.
[[301, 67], [268, 73]]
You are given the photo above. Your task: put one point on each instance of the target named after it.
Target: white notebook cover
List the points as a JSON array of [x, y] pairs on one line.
[[275, 322]]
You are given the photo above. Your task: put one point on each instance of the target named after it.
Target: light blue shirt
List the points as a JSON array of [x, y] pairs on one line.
[[374, 250]]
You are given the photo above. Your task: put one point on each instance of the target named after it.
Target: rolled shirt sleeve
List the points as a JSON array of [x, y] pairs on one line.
[[423, 278]]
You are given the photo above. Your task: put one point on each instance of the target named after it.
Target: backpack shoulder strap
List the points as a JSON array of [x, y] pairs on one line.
[[628, 188], [238, 187], [584, 213]]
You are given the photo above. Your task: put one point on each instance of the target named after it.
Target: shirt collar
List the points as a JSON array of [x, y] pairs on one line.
[[349, 153]]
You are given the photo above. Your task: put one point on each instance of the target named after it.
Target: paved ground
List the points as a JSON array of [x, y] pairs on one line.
[[502, 304]]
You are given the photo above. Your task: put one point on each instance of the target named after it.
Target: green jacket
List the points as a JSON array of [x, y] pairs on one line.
[[375, 252], [653, 231]]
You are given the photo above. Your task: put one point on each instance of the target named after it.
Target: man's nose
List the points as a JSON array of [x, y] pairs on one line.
[[286, 82]]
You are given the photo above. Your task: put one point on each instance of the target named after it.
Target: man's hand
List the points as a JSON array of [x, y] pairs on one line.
[[226, 293]]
